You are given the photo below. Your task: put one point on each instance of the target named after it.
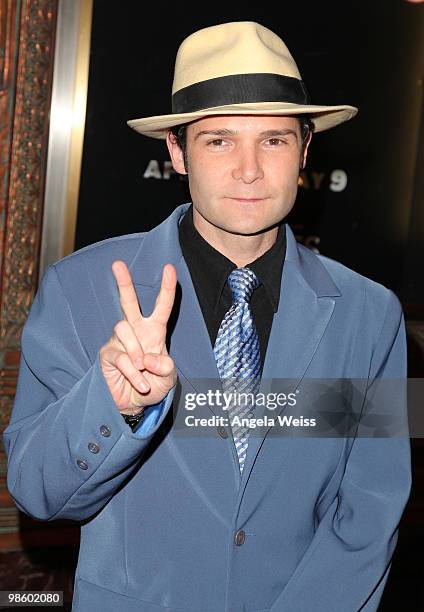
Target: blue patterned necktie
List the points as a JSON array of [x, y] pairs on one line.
[[237, 356]]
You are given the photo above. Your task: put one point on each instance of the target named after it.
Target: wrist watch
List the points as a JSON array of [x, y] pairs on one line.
[[133, 419]]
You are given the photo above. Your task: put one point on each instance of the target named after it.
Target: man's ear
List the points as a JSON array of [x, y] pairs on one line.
[[304, 153], [175, 152]]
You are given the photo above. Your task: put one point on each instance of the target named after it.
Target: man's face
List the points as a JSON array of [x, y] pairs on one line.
[[243, 171]]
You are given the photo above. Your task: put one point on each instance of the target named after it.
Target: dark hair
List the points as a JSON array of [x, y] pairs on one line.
[[180, 133]]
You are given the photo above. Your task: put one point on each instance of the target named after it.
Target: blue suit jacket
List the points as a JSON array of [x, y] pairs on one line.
[[160, 509]]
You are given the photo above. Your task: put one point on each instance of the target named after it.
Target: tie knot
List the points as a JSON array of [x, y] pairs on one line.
[[243, 282]]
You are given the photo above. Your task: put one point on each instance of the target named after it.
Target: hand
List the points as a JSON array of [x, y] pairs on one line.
[[135, 362]]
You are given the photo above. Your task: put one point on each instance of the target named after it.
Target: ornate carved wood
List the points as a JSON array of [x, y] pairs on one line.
[[27, 34]]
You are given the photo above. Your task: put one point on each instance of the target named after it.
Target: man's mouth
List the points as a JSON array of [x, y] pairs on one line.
[[247, 200]]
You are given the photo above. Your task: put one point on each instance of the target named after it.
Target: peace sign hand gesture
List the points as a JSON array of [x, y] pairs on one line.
[[135, 362]]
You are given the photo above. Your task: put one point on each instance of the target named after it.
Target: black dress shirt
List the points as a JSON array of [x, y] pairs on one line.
[[209, 270]]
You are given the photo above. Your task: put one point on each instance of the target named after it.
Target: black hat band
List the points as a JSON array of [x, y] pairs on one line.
[[239, 89]]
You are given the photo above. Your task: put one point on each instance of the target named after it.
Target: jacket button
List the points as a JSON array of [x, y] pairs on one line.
[[82, 464], [240, 537], [222, 432], [105, 431], [93, 447]]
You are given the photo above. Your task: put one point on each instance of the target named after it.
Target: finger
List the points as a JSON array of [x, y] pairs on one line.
[[124, 333], [161, 365], [122, 362], [166, 296], [127, 294]]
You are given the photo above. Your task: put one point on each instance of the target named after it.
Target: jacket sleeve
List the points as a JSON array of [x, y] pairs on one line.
[[68, 447], [346, 566]]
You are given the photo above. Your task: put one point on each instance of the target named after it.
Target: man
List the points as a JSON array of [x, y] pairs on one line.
[[226, 520]]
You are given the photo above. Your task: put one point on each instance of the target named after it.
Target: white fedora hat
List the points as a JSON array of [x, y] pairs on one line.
[[238, 68]]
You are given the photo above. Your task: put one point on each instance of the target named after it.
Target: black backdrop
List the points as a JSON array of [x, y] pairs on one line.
[[368, 54]]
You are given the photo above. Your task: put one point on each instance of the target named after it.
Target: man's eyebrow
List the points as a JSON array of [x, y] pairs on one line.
[[271, 133], [265, 134], [222, 132]]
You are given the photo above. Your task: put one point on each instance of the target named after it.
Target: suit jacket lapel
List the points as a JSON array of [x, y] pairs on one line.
[[305, 308], [189, 342]]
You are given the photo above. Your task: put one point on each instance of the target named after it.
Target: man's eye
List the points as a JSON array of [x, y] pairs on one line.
[[276, 141], [217, 142]]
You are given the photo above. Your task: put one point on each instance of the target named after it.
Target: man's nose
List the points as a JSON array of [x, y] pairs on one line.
[[247, 166]]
